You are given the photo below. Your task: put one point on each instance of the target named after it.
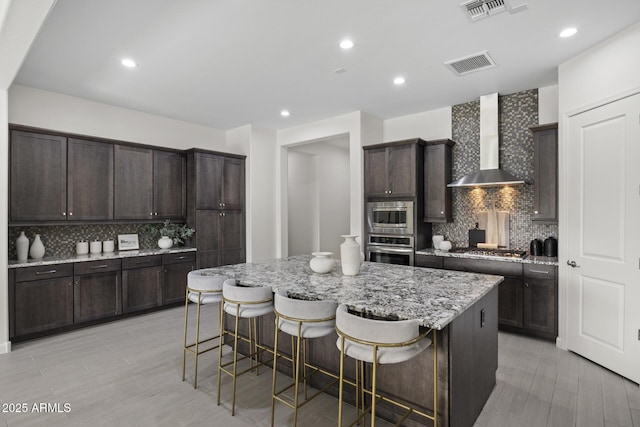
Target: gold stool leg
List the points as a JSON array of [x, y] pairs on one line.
[[296, 367], [186, 318], [195, 369], [341, 382], [222, 334], [435, 379], [273, 381], [373, 386], [235, 360]]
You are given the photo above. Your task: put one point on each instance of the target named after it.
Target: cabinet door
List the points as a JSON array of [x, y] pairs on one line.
[[233, 238], [90, 180], [510, 302], [208, 238], [209, 173], [174, 281], [437, 174], [96, 296], [141, 288], [38, 175], [376, 176], [233, 183], [133, 183], [169, 185], [402, 170], [540, 306], [41, 305], [545, 204]]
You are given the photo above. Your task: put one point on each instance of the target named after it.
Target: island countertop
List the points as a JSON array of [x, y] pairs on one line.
[[433, 297]]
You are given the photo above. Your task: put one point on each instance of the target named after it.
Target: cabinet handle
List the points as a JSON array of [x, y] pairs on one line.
[[39, 273], [535, 212], [539, 271], [526, 285], [99, 266], [64, 214], [220, 204], [150, 213], [441, 212], [70, 213], [181, 257]]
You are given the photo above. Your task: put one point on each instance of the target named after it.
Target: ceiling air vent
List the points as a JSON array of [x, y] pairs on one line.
[[479, 9], [469, 64]]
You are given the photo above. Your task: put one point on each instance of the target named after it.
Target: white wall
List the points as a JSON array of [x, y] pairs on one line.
[[603, 73], [49, 110], [434, 124], [302, 202]]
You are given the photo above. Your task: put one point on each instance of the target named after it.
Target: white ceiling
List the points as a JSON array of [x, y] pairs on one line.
[[227, 63]]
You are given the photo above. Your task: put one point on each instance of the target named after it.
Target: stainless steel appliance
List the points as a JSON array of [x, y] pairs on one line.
[[391, 249], [390, 217]]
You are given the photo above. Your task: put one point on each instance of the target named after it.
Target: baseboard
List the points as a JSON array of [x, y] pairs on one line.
[[5, 347]]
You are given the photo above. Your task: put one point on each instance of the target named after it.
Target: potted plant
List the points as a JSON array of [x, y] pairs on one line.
[[169, 234]]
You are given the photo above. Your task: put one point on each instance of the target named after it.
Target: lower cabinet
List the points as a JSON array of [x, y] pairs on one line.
[[97, 290], [43, 298], [175, 268], [220, 237], [540, 300], [141, 283], [510, 299]]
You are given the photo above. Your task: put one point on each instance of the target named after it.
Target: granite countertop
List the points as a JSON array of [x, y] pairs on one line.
[[527, 259], [96, 257], [433, 297]]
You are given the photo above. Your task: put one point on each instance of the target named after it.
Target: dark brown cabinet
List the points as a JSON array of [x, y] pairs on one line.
[[149, 184], [43, 299], [219, 181], [392, 169], [541, 300], [175, 268], [97, 290], [437, 174], [510, 300], [38, 177], [141, 283], [545, 157], [217, 238]]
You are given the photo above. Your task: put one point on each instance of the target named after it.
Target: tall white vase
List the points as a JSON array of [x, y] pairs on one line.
[[22, 247], [37, 248], [350, 255]]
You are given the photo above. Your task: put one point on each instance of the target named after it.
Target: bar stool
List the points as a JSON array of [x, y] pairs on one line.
[[243, 302], [381, 342], [201, 290], [302, 320]]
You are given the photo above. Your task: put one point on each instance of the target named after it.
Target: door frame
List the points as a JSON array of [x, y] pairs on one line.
[[563, 203]]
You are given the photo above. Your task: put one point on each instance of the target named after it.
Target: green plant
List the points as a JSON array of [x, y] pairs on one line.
[[177, 232]]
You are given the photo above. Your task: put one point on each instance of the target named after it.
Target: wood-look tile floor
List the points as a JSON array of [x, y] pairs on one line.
[[128, 373]]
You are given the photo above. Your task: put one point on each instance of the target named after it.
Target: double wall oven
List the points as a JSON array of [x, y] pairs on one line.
[[391, 232]]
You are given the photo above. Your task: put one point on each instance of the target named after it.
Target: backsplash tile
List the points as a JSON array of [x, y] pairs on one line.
[[60, 240], [517, 112]]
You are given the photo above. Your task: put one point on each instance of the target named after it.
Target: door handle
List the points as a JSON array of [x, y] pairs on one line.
[[572, 264]]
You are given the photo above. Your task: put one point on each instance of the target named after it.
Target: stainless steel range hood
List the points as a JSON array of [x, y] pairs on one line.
[[489, 175]]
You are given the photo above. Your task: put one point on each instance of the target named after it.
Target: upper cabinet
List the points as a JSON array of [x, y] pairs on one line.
[[437, 174], [219, 181], [149, 184], [545, 204], [391, 170], [55, 179]]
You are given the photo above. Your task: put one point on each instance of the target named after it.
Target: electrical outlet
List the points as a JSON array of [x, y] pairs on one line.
[[638, 334], [483, 320]]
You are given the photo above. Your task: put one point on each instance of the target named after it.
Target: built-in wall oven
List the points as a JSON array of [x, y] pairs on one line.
[[390, 249], [394, 217]]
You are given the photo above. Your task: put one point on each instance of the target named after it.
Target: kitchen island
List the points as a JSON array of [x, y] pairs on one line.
[[461, 307]]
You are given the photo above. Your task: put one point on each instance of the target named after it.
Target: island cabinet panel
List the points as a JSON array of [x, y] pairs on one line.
[[141, 283], [90, 180], [175, 268], [38, 177], [169, 185], [133, 183], [43, 299], [97, 290]]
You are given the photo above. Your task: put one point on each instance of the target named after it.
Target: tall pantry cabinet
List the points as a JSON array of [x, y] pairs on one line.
[[215, 207]]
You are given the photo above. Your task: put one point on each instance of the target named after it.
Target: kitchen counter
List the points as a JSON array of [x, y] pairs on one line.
[[96, 257], [528, 259], [433, 297]]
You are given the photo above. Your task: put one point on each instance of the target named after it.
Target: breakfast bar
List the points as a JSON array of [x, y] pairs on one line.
[[461, 307]]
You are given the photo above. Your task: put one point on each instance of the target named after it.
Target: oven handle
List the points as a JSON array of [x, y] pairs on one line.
[[385, 245], [388, 249]]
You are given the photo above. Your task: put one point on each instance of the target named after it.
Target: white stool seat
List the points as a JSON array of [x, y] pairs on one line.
[[307, 312], [237, 295], [209, 287]]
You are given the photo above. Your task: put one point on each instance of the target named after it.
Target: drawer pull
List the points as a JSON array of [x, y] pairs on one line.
[[39, 273], [181, 257], [95, 267], [539, 271]]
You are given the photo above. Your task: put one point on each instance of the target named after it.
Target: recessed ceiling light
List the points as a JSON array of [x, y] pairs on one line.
[[129, 63], [346, 44], [568, 32], [285, 113], [399, 81]]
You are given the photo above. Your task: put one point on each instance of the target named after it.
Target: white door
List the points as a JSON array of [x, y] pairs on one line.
[[604, 236]]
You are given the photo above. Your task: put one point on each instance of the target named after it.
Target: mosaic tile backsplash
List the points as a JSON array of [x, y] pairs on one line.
[[60, 240], [517, 112]]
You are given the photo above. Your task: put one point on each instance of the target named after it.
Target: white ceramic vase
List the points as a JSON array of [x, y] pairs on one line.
[[22, 247], [350, 255], [37, 248], [165, 242], [322, 262], [437, 239]]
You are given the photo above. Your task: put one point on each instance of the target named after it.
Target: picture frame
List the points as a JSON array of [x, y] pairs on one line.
[[128, 242]]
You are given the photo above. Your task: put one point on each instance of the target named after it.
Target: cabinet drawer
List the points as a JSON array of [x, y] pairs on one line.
[[141, 262], [501, 268], [91, 267], [43, 272], [178, 257], [429, 261], [540, 271]]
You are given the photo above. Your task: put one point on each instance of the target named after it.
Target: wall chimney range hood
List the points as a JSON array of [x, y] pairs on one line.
[[489, 175]]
